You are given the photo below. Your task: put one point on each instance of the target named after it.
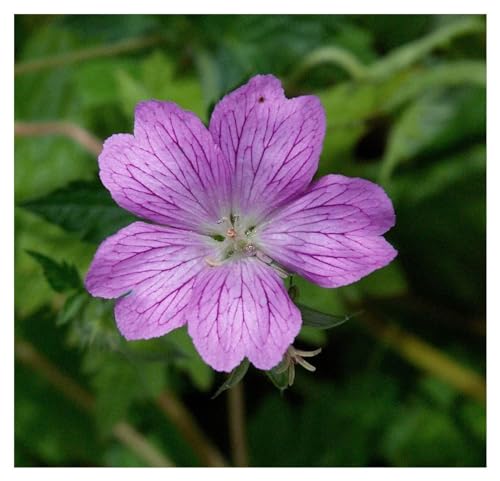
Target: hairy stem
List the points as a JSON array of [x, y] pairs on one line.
[[237, 434], [123, 432], [62, 60], [67, 129], [189, 429]]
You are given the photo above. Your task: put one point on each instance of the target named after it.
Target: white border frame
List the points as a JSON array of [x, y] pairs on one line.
[[8, 9]]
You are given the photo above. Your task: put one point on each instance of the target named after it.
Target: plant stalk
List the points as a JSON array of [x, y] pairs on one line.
[[26, 353], [237, 431]]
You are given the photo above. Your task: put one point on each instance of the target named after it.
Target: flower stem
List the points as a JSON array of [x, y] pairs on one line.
[[237, 434], [124, 432], [62, 60], [188, 427], [67, 129]]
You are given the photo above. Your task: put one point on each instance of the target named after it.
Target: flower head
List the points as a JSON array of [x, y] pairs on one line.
[[231, 210]]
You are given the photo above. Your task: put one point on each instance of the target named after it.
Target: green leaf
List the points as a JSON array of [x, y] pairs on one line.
[[72, 307], [279, 377], [409, 54], [450, 74], [333, 424], [44, 163], [312, 336], [96, 83], [48, 426], [330, 55], [119, 382], [62, 277], [321, 320], [35, 234], [155, 78], [235, 376], [93, 325], [210, 75], [439, 176], [383, 283], [84, 208], [418, 428], [348, 107], [199, 372], [415, 129], [445, 195]]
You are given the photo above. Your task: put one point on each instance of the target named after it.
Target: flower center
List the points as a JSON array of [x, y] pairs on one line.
[[235, 238]]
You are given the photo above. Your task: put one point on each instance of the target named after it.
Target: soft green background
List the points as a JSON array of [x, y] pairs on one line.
[[405, 99]]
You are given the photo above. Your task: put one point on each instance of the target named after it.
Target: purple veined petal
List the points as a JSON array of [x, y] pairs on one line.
[[154, 268], [170, 171], [332, 235], [273, 143], [241, 309]]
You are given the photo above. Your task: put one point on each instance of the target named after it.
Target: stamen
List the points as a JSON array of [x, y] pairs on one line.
[[300, 353], [231, 233], [305, 364], [291, 375], [281, 272], [250, 250], [264, 258], [283, 367], [212, 263], [291, 358], [235, 219]]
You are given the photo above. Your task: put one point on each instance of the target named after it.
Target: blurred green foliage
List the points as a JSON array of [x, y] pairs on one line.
[[405, 99]]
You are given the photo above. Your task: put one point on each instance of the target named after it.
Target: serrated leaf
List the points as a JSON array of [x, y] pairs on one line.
[[62, 276], [321, 320], [235, 376], [84, 208]]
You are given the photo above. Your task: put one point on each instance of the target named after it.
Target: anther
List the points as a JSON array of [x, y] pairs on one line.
[[250, 250], [231, 233]]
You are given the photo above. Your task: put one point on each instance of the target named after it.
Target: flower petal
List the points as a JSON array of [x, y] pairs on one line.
[[241, 309], [153, 268], [170, 171], [332, 234], [273, 143]]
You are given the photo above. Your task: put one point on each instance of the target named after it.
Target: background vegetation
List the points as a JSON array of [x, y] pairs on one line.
[[399, 384]]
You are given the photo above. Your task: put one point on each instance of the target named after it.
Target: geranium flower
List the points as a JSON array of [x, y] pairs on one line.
[[232, 209]]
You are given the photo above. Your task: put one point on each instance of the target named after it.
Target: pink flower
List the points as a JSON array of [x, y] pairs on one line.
[[231, 208]]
